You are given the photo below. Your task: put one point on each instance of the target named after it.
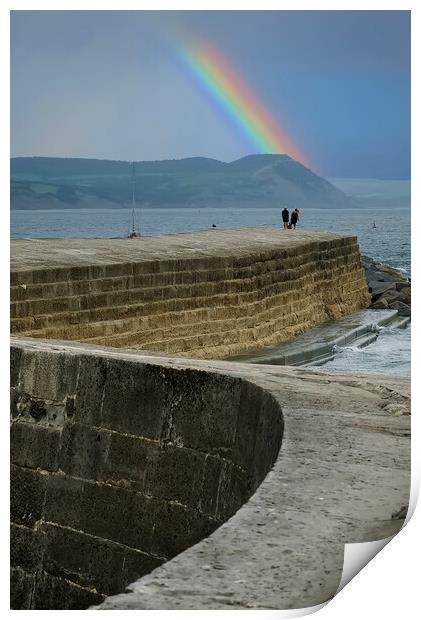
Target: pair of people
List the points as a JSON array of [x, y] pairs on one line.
[[295, 216]]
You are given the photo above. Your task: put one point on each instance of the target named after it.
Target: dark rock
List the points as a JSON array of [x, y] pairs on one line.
[[378, 288], [378, 276], [377, 272], [405, 295], [390, 296], [402, 285], [380, 304], [367, 262], [403, 309], [386, 270]]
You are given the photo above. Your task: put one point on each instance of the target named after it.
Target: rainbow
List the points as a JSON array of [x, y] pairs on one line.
[[215, 74]]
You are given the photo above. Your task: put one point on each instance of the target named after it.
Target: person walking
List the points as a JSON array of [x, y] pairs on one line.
[[285, 217], [295, 216]]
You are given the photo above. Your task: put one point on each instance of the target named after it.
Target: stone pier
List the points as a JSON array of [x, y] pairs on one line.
[[203, 484], [144, 477], [210, 294]]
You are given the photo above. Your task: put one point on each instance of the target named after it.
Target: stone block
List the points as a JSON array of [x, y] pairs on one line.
[[34, 446], [196, 415], [21, 588], [26, 548], [176, 528], [127, 460], [15, 399], [175, 473], [27, 495], [210, 485], [136, 565], [243, 452], [83, 451], [15, 364], [21, 277], [63, 499], [268, 440], [234, 490], [48, 375], [117, 514], [50, 274], [134, 399], [53, 592], [85, 560], [37, 411], [90, 389]]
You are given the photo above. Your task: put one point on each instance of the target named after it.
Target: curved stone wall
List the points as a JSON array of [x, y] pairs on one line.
[[118, 465], [238, 291]]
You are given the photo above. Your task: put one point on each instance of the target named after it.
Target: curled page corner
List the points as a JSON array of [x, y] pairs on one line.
[[358, 555], [299, 612]]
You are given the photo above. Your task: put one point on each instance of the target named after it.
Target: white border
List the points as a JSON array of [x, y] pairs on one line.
[[388, 586]]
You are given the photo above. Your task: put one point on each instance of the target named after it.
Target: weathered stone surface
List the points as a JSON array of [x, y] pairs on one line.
[[21, 588], [176, 474], [334, 481], [138, 462], [34, 447], [27, 495], [51, 592], [26, 547], [83, 450]]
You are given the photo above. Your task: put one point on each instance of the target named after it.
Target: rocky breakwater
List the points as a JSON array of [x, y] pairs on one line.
[[210, 294], [388, 287]]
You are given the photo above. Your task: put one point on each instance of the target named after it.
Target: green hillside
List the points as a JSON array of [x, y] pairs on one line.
[[255, 180]]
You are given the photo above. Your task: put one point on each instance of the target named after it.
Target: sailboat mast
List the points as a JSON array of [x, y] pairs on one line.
[[134, 233], [133, 198]]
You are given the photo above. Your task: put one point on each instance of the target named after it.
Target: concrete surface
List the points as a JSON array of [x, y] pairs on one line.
[[31, 254]]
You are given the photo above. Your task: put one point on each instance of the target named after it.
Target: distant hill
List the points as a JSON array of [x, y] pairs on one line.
[[252, 181], [376, 192]]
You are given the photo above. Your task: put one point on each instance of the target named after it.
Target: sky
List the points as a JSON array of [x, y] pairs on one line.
[[115, 85]]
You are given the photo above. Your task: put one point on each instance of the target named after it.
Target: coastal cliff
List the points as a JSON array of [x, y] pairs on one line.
[[210, 294]]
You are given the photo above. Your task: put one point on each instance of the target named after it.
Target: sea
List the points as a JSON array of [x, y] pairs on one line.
[[383, 234]]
